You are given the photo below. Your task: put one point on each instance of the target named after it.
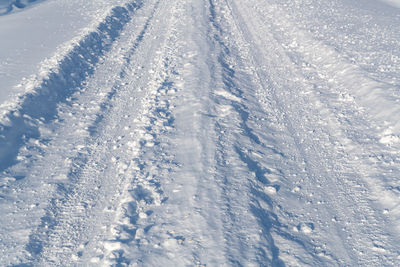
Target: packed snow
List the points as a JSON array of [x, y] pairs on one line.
[[199, 133]]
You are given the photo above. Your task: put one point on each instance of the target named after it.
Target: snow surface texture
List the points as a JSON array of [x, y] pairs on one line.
[[395, 3], [200, 133]]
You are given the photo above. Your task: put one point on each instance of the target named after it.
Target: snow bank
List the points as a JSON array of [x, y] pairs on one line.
[[58, 78]]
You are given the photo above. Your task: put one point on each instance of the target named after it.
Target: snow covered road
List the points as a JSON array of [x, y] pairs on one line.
[[207, 133]]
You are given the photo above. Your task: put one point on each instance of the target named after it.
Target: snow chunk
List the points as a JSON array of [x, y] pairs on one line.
[[271, 190], [306, 228]]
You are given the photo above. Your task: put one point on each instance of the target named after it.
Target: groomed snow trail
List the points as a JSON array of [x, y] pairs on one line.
[[210, 133]]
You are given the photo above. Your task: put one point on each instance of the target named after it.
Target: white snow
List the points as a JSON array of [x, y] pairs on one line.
[[395, 3], [35, 36], [199, 133]]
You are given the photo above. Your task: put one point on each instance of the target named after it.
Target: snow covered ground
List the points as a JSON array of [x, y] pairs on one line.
[[199, 133], [394, 3]]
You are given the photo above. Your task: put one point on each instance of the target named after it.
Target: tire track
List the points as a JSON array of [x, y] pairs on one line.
[[75, 192], [235, 145], [312, 135], [128, 241]]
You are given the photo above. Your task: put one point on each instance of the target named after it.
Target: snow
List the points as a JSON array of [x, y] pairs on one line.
[[33, 34], [394, 3], [199, 133]]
